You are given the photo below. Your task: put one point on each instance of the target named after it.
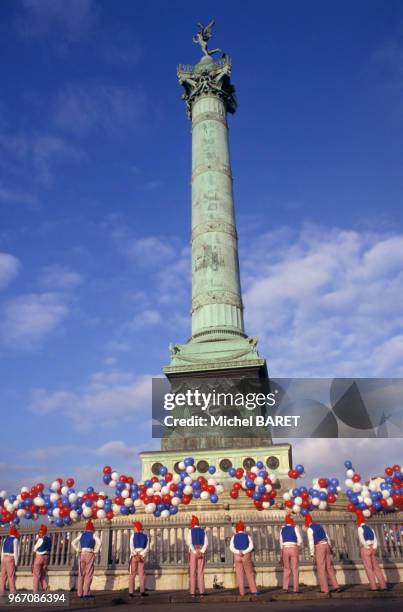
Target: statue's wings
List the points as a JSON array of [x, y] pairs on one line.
[[208, 30]]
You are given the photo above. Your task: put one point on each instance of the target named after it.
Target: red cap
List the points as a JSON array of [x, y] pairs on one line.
[[14, 531], [43, 530], [360, 519], [137, 526], [240, 526], [89, 526], [194, 521], [308, 520], [289, 520]]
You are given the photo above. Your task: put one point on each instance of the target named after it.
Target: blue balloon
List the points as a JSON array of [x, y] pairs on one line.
[[106, 478], [12, 498], [189, 461], [214, 498], [263, 474], [67, 520], [295, 492], [183, 475], [148, 483], [304, 511], [157, 513], [163, 470], [335, 482], [16, 520], [212, 470], [261, 489], [59, 522], [124, 510], [88, 503], [90, 489], [232, 472], [257, 495], [65, 500], [132, 510], [196, 484], [161, 507], [249, 483], [20, 505], [173, 510], [322, 495], [332, 489], [348, 464], [134, 495], [259, 465], [300, 468], [196, 493]]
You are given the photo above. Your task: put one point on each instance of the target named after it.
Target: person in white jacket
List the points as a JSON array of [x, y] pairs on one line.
[[197, 542], [241, 546], [369, 547], [290, 543], [9, 560], [40, 561], [138, 550], [87, 544]]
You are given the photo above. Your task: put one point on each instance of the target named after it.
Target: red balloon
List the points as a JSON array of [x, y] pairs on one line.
[[107, 469], [109, 515], [289, 503], [306, 503], [173, 487], [60, 481], [43, 510], [388, 471], [24, 495], [130, 480], [383, 503], [273, 493], [204, 486], [396, 468], [234, 494], [186, 499], [157, 499], [211, 488], [122, 478], [168, 477], [249, 492], [351, 508], [201, 479], [322, 482], [258, 504], [70, 482], [118, 500], [331, 498], [356, 478], [239, 473], [305, 495], [153, 479], [237, 486], [166, 498]]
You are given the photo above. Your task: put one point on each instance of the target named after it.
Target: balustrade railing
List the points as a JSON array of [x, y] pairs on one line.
[[169, 547]]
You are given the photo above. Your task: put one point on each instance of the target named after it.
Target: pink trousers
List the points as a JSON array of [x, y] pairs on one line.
[[196, 571], [136, 567], [324, 567], [85, 573], [39, 567], [7, 573], [291, 563], [372, 569], [244, 567]]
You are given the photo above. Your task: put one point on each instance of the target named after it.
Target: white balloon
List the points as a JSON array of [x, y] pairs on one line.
[[80, 494], [350, 473], [385, 493], [156, 487], [3, 494], [73, 515], [87, 512], [20, 513], [366, 512], [176, 478], [273, 478], [296, 509], [150, 508], [100, 503], [219, 488], [268, 488], [39, 501], [211, 481], [266, 505], [101, 514], [357, 487], [349, 483], [298, 501], [181, 466], [188, 490], [24, 490], [254, 470], [102, 493], [115, 508], [128, 502], [73, 497], [150, 491], [259, 480], [125, 494], [322, 505], [389, 501], [113, 483], [175, 501], [64, 490], [137, 503], [368, 501], [190, 469], [115, 476], [315, 501], [56, 512], [204, 495], [54, 497], [165, 490], [187, 480], [372, 486], [55, 485], [286, 496], [165, 513]]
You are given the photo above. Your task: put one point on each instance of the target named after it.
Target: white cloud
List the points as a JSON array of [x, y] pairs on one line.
[[60, 277], [74, 17], [117, 448], [27, 319], [146, 318], [9, 266], [107, 399], [81, 108], [326, 302], [149, 251], [47, 150], [11, 196]]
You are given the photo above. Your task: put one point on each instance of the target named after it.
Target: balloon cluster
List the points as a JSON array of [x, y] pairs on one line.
[[61, 503], [380, 494], [162, 496], [301, 500], [256, 483], [297, 472]]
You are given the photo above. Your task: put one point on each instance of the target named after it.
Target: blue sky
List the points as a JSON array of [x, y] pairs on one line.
[[95, 210]]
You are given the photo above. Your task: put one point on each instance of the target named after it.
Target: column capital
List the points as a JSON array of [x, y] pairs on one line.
[[208, 77]]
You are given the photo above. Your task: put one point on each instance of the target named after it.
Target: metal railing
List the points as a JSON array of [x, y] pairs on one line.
[[168, 541]]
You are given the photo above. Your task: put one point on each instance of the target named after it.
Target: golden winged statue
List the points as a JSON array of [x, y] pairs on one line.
[[203, 36]]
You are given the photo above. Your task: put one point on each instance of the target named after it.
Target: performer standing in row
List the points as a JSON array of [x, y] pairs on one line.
[[241, 546], [369, 547], [87, 544], [9, 560], [290, 543], [138, 551], [320, 550], [197, 547], [40, 561]]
